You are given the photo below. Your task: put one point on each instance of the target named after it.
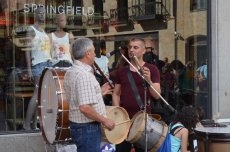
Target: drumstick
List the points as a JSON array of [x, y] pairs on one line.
[[119, 123], [116, 124]]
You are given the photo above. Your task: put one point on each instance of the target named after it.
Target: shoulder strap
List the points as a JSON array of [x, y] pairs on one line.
[[51, 36], [134, 89], [69, 37], [172, 129]]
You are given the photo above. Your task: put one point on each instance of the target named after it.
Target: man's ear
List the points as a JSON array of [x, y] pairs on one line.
[[87, 53]]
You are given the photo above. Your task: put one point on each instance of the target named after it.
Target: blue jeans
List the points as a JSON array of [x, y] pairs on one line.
[[38, 68], [86, 136]]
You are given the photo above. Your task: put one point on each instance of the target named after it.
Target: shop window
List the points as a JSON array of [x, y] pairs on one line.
[[197, 5], [114, 23]]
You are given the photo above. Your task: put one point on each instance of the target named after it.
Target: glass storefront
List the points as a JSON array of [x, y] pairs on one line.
[[175, 32]]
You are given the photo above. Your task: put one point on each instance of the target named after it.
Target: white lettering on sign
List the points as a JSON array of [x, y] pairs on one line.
[[77, 10]]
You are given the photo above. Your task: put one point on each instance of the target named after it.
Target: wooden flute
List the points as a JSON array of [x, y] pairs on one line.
[[103, 75]]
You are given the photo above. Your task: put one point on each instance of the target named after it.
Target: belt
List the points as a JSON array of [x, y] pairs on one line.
[[93, 122]]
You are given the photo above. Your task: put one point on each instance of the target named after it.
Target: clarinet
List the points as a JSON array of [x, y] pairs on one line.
[[103, 75]]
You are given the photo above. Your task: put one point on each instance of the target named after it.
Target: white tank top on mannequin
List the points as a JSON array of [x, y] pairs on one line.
[[60, 48], [40, 47]]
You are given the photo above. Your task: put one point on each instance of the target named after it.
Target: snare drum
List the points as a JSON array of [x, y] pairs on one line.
[[156, 132], [122, 124], [53, 107]]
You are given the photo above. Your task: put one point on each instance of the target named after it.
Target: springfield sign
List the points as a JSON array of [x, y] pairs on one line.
[[75, 10]]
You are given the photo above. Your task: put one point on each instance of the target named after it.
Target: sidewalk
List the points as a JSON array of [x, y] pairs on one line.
[[24, 142]]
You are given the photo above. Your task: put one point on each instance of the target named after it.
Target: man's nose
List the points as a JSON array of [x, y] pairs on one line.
[[131, 49]]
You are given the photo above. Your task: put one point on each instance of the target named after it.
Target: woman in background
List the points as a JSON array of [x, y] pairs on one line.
[[184, 123]]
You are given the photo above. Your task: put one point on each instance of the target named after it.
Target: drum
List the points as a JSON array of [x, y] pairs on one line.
[[215, 145], [213, 139], [156, 132], [53, 107], [122, 124]]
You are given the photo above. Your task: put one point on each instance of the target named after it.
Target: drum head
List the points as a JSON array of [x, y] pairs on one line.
[[122, 124], [48, 106], [156, 131], [137, 127]]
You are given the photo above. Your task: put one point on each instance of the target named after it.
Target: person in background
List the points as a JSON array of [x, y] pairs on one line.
[[102, 61], [180, 129], [201, 114], [166, 60], [166, 65], [87, 110], [123, 94], [150, 57], [37, 60], [182, 72], [61, 43], [120, 63], [168, 83], [184, 83], [202, 76]]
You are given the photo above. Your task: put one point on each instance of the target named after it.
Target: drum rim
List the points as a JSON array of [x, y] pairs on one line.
[[137, 136], [162, 138], [55, 73], [39, 105]]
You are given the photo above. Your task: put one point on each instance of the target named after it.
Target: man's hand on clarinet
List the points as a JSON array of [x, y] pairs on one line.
[[106, 89]]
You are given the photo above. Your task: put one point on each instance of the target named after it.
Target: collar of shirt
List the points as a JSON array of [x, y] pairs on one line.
[[84, 66]]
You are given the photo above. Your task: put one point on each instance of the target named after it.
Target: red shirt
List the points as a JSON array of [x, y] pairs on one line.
[[127, 98]]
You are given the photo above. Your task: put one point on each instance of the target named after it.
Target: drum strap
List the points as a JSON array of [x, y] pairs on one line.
[[135, 91]]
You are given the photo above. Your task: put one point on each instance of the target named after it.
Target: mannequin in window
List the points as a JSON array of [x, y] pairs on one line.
[[37, 60], [61, 43]]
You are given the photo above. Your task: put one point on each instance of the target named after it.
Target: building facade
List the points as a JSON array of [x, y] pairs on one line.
[[194, 32], [173, 29]]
